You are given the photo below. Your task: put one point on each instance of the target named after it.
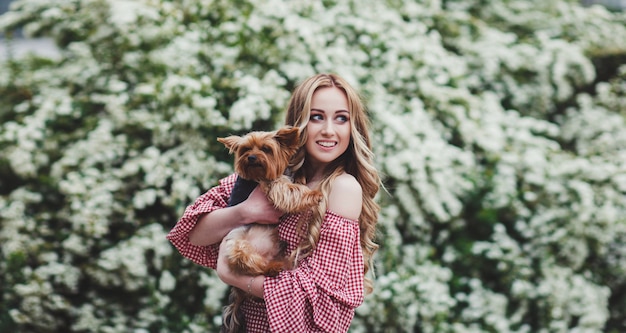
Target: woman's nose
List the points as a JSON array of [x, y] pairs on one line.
[[328, 128]]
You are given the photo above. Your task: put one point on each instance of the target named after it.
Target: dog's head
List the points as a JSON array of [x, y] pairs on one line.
[[263, 155]]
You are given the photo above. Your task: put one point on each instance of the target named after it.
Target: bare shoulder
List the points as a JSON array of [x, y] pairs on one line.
[[346, 197], [346, 182]]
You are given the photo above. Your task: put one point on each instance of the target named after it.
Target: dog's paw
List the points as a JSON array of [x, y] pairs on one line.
[[316, 196], [310, 199]]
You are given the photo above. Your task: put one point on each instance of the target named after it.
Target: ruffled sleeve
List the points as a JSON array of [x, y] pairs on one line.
[[214, 199], [323, 291]]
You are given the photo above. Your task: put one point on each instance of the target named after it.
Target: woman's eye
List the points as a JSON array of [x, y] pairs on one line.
[[342, 119], [317, 117]]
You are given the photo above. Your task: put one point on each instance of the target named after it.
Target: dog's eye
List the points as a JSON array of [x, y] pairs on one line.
[[243, 150], [266, 149]]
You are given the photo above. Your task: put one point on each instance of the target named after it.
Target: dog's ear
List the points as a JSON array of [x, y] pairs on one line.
[[288, 137], [231, 142]]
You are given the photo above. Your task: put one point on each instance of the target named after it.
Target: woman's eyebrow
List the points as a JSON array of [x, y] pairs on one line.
[[324, 111]]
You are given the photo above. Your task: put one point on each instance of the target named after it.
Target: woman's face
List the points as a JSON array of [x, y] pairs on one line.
[[328, 130]]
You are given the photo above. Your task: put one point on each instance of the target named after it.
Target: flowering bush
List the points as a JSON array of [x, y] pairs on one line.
[[499, 129]]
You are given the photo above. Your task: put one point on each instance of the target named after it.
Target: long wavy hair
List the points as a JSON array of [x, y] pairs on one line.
[[357, 160]]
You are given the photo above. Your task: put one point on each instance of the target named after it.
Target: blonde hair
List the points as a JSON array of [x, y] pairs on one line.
[[356, 161]]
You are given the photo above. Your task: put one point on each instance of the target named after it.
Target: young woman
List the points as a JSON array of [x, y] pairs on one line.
[[331, 249]]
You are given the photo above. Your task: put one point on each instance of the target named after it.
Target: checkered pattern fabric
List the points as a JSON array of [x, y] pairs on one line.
[[319, 295]]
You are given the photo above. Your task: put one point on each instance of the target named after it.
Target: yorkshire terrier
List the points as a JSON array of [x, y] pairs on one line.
[[255, 249]]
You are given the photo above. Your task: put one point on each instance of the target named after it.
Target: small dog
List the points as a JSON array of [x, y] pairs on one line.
[[255, 249]]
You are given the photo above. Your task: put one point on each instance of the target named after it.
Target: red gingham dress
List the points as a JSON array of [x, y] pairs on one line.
[[319, 295]]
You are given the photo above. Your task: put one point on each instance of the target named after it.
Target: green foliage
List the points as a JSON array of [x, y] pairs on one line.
[[499, 127]]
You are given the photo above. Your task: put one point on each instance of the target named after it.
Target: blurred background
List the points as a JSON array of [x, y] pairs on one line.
[[499, 129]]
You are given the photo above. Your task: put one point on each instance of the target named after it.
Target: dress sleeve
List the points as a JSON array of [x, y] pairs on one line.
[[323, 291], [215, 198]]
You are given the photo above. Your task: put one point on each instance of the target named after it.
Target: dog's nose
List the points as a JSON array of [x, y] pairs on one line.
[[251, 158]]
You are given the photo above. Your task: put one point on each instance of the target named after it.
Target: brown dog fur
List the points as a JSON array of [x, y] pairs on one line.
[[257, 249], [263, 157]]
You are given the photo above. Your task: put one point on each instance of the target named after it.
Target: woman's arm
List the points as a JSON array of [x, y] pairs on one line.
[[328, 284], [212, 227], [209, 219]]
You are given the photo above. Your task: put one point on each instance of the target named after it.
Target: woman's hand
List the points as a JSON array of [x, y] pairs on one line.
[[223, 269], [253, 285], [260, 209]]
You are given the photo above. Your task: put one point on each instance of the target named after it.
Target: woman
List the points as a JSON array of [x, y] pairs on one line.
[[330, 250]]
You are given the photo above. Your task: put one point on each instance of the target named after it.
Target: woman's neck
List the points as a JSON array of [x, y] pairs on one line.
[[313, 176]]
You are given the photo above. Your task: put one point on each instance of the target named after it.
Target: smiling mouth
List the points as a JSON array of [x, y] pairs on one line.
[[327, 144]]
